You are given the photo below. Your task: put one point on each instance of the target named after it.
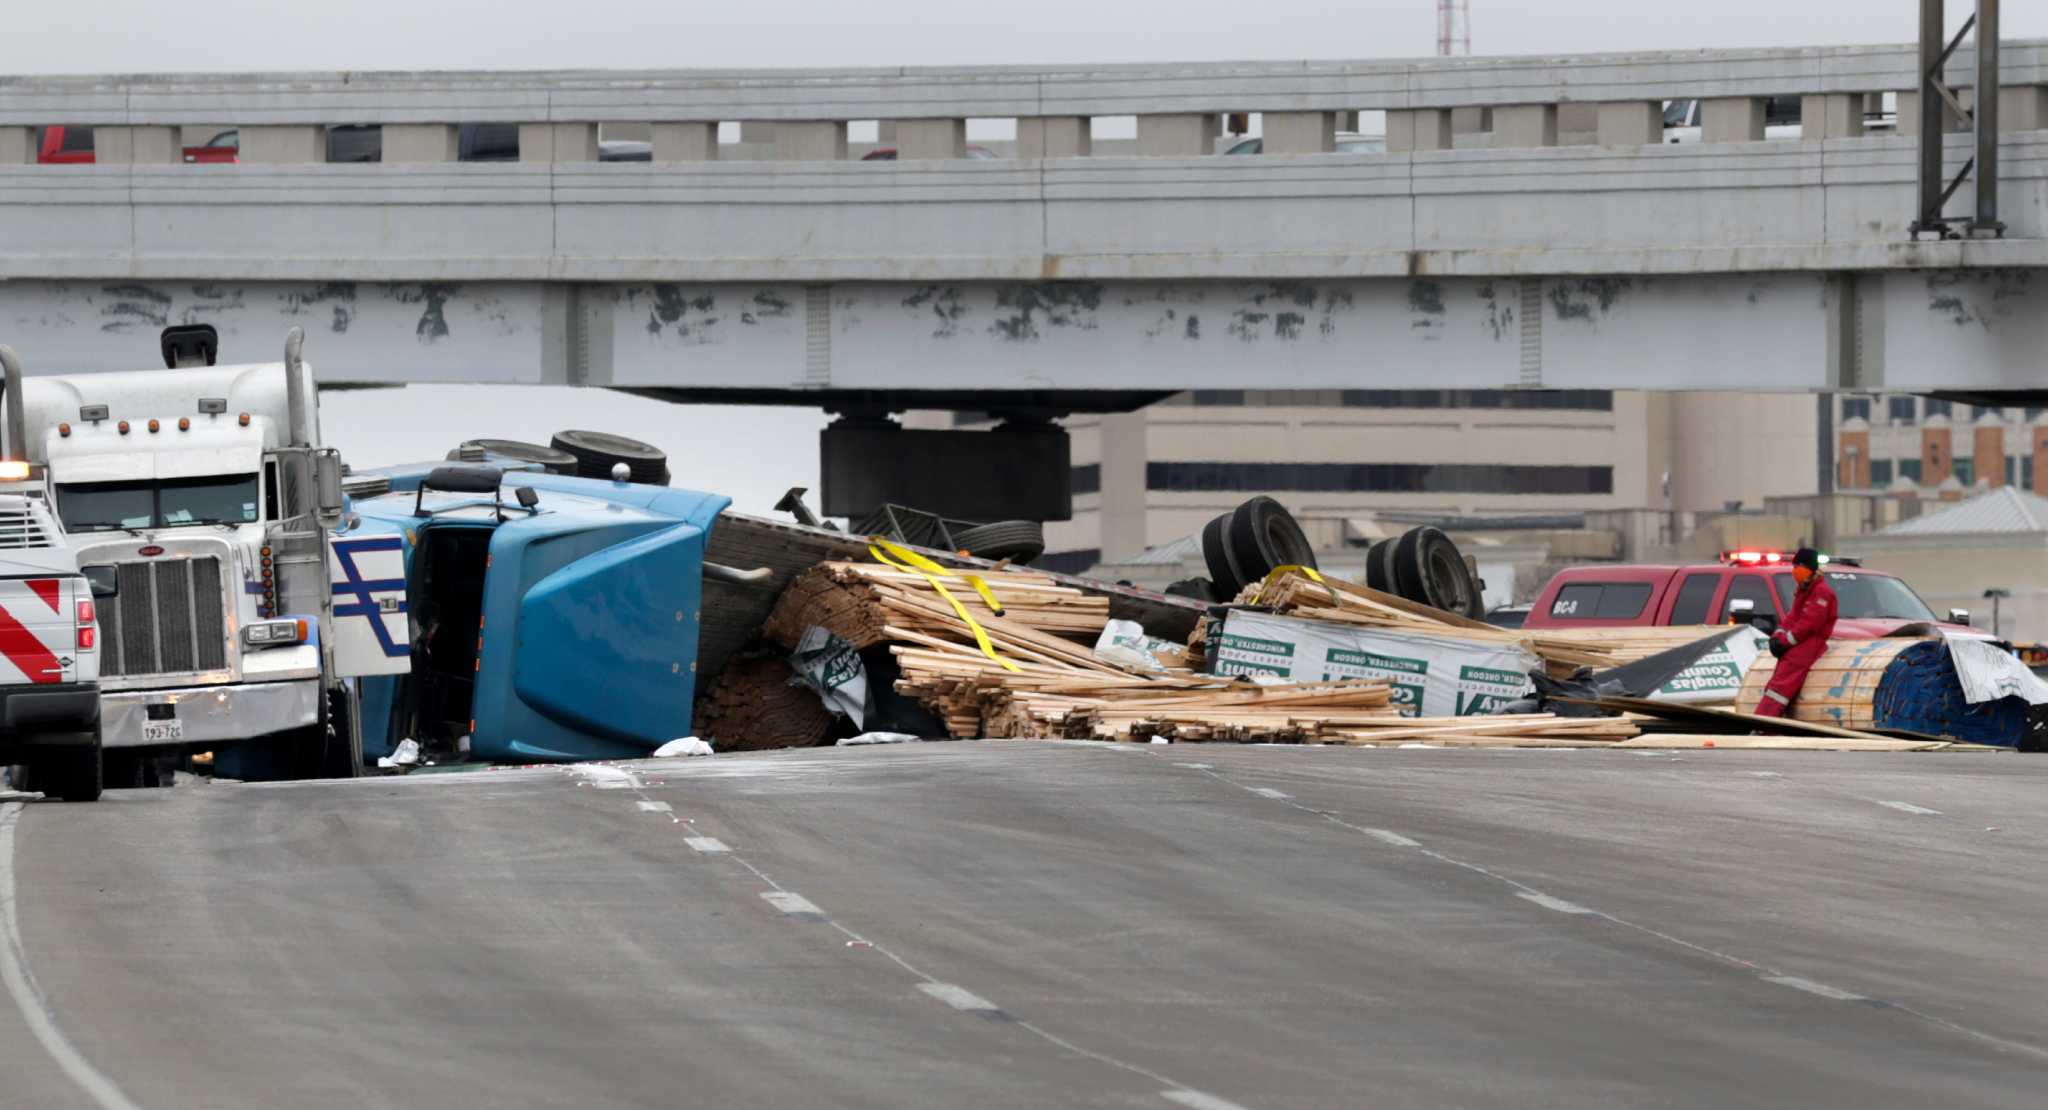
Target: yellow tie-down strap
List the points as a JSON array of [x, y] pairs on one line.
[[902, 558], [1312, 576]]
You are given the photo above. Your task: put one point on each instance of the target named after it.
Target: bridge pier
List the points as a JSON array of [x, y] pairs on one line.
[[1053, 137], [1419, 129], [1630, 123], [137, 146], [1178, 135], [284, 144], [420, 142], [685, 142]]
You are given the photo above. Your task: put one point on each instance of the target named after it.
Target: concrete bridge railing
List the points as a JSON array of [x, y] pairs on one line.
[[1524, 102]]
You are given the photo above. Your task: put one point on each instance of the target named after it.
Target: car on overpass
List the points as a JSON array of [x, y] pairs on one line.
[[1348, 142], [1741, 586], [69, 145]]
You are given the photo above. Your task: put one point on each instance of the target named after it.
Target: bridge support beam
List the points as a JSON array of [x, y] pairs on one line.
[[420, 142], [1053, 137], [17, 145], [136, 146], [810, 140], [1019, 471], [1178, 135], [284, 144], [557, 142], [1732, 119], [1831, 116], [1525, 125], [685, 142], [1631, 123], [1300, 132], [1420, 129], [930, 138], [2023, 107]]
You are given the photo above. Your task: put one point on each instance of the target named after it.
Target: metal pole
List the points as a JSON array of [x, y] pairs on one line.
[[1931, 43], [1986, 117]]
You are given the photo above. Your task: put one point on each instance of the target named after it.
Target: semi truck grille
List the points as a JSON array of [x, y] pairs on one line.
[[168, 619]]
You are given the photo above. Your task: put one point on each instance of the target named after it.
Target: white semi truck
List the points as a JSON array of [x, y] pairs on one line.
[[201, 491]]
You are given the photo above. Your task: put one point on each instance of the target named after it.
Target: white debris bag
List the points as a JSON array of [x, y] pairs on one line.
[[832, 668], [1125, 644], [1989, 672], [1716, 677], [688, 745], [879, 738], [1431, 676]]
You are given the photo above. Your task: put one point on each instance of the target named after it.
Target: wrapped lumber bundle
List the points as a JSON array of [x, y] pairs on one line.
[[1907, 685], [858, 602], [756, 704], [1562, 650]]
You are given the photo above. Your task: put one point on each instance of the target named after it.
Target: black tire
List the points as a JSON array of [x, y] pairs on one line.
[[1224, 576], [1263, 535], [597, 452], [69, 771], [1431, 571], [1201, 589], [1019, 541], [1377, 567], [554, 459]]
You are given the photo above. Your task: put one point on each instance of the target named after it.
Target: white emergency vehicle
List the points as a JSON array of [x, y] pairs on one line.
[[49, 657]]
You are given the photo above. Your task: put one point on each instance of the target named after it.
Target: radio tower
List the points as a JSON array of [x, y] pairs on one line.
[[1453, 27]]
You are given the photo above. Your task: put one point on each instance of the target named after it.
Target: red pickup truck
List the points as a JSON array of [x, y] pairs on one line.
[[1871, 603], [64, 145]]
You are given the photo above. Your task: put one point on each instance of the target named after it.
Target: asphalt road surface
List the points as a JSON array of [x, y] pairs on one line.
[[1025, 924]]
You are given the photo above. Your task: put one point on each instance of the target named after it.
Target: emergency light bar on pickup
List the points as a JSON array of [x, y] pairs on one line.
[[1778, 558]]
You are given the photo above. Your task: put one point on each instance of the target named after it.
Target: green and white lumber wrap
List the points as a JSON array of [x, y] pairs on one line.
[[1431, 676]]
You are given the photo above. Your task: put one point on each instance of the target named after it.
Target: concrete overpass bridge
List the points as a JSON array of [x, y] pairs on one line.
[[1528, 226]]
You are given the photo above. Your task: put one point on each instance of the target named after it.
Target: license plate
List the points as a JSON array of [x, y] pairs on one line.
[[163, 731]]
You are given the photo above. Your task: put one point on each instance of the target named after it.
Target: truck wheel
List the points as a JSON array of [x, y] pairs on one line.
[[1376, 567], [556, 461], [1019, 541], [1224, 576], [597, 452], [1432, 571], [68, 771], [1263, 535]]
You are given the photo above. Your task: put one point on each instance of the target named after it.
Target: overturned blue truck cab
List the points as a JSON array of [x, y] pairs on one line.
[[518, 615]]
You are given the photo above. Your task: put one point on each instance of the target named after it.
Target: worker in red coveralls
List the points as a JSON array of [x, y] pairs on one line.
[[1802, 638]]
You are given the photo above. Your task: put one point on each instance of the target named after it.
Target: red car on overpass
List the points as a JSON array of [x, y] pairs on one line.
[[64, 145]]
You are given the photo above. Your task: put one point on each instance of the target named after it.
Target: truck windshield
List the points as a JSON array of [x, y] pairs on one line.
[[1876, 597], [104, 506]]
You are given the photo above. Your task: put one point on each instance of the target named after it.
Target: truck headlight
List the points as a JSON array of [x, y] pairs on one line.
[[274, 633]]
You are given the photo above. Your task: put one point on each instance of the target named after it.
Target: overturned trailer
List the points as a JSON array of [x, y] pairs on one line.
[[519, 615]]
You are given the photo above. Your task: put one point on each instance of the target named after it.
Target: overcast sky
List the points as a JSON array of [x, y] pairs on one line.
[[101, 36]]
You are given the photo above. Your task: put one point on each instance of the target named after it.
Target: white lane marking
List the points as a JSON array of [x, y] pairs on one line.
[[28, 997], [656, 807], [1766, 774], [1549, 903], [1196, 766], [1811, 987], [960, 998], [1199, 1101], [1269, 792], [1394, 838], [1908, 807], [788, 902], [709, 845]]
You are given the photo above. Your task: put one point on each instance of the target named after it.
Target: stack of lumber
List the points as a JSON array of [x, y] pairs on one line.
[[858, 602], [1896, 685], [755, 704], [1562, 650]]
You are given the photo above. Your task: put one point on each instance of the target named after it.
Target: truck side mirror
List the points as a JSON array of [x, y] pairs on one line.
[[327, 480], [104, 580], [1958, 616]]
